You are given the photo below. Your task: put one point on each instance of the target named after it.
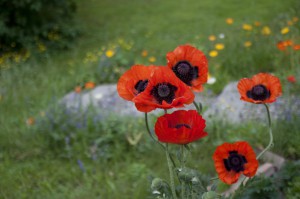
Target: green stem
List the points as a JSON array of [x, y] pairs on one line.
[[155, 140], [148, 129], [172, 183], [215, 178], [270, 134], [197, 107], [182, 166], [270, 142]]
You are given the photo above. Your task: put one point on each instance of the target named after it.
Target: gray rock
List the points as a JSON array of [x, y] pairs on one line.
[[227, 106], [104, 99]]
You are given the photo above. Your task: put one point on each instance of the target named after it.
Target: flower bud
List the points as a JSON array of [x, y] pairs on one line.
[[189, 175], [159, 187]]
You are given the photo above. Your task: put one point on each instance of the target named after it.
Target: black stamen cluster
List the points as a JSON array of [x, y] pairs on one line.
[[235, 162], [181, 125], [259, 92], [164, 92], [141, 85], [185, 72]]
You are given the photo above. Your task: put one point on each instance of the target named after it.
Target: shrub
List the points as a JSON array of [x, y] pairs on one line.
[[24, 22]]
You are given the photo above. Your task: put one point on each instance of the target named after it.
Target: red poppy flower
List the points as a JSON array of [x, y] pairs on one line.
[[283, 44], [288, 42], [134, 81], [231, 160], [180, 127], [261, 88], [296, 47], [291, 79], [89, 85], [164, 90], [77, 89], [190, 66]]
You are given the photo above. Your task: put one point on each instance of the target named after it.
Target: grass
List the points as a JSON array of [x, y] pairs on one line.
[[31, 167]]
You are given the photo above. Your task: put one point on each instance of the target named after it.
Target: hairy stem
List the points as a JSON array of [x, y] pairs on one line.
[[198, 108], [270, 134], [155, 140], [172, 183]]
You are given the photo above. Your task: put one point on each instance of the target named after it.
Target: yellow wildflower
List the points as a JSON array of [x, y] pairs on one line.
[[285, 30], [41, 47], [229, 21], [17, 58], [212, 38], [213, 53], [1, 60], [219, 46], [152, 59], [144, 53], [109, 53], [247, 27], [266, 30], [247, 44]]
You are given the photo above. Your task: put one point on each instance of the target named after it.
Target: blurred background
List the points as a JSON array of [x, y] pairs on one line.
[[49, 49]]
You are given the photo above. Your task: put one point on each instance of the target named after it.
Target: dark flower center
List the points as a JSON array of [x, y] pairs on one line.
[[259, 92], [141, 85], [186, 72], [164, 91], [181, 125], [235, 162]]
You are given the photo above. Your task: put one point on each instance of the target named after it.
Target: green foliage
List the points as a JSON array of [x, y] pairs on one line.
[[195, 183], [258, 187], [284, 182], [93, 135], [24, 22], [30, 156]]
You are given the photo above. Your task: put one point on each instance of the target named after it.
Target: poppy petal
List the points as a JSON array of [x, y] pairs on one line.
[[231, 160], [180, 127], [190, 66], [261, 88]]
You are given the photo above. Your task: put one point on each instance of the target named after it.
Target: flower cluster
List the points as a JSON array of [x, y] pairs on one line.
[[173, 86]]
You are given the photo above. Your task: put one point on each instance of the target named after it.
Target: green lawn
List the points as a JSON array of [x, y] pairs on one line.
[[32, 166]]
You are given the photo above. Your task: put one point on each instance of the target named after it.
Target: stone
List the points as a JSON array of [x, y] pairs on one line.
[[106, 100], [226, 106]]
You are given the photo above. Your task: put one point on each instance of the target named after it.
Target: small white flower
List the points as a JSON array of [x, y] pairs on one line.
[[98, 96], [221, 35], [211, 80], [156, 192], [195, 179]]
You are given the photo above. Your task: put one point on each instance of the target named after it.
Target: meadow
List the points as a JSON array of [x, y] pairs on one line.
[[45, 153]]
